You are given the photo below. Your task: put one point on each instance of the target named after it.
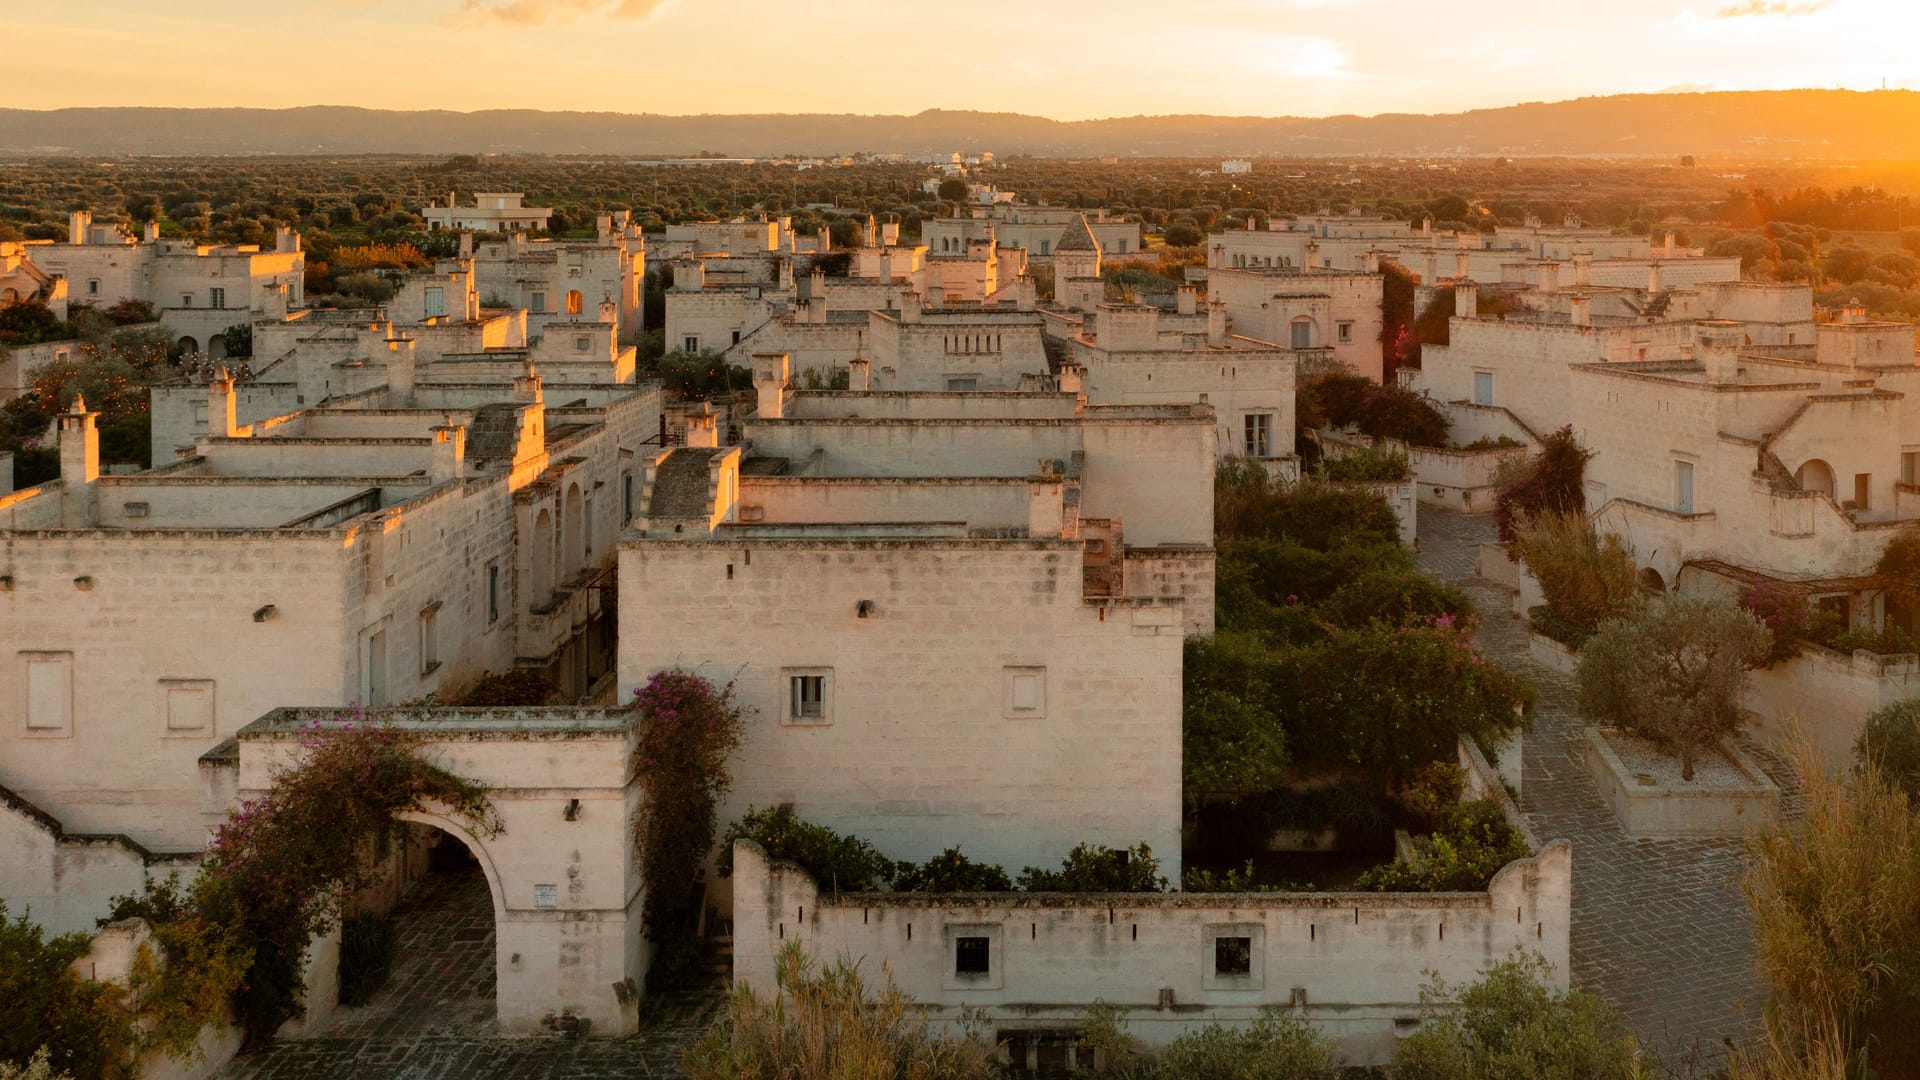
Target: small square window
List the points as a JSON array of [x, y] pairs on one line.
[[582, 342], [189, 705], [1345, 331], [809, 695], [972, 956], [1025, 692], [1233, 956]]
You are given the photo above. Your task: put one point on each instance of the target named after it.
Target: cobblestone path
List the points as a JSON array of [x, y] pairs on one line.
[[435, 1016], [1659, 927]]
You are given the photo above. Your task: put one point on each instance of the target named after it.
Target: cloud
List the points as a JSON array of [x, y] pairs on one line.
[[1787, 8], [536, 12]]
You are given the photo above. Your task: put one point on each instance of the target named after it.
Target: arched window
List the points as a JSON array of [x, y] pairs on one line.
[[1815, 475], [1302, 332], [540, 558]]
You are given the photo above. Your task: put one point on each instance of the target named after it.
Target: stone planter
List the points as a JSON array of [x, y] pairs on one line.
[[1304, 840], [1646, 807], [1551, 654]]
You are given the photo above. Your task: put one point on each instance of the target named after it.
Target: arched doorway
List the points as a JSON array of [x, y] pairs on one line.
[[437, 903], [540, 558], [1651, 581], [187, 346], [1815, 475], [217, 347]]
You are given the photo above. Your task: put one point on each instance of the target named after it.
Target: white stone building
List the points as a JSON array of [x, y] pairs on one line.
[[492, 212]]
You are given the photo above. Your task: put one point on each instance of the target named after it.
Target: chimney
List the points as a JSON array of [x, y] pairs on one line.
[[526, 386], [466, 244], [1466, 300], [273, 305], [1716, 344], [817, 286], [1550, 277], [609, 312], [1668, 246], [1046, 508], [1854, 313], [886, 265], [222, 416], [400, 371], [1653, 277], [150, 232], [1025, 296], [890, 234], [1073, 379], [858, 376], [285, 241], [909, 307], [77, 223], [1432, 272], [1462, 266], [770, 384], [1186, 300], [449, 453], [1583, 270], [1216, 322], [1580, 310], [603, 225], [79, 464], [703, 429], [1370, 262], [689, 275]]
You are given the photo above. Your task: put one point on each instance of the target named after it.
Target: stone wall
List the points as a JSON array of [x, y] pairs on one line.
[[1828, 695]]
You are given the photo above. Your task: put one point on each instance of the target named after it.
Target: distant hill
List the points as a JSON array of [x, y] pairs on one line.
[[1769, 124]]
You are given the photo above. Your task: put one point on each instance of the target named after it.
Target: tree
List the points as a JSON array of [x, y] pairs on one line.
[[1552, 482], [1672, 672], [1511, 1026], [1890, 742], [1836, 928], [1183, 233], [1399, 347], [1586, 579], [953, 189]]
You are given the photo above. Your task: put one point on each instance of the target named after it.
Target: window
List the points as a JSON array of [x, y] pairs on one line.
[[963, 382], [1683, 486], [736, 337], [573, 301], [216, 298], [972, 956], [49, 683], [493, 593], [692, 344], [1258, 428], [436, 301], [1302, 334], [808, 692], [430, 638], [186, 299], [1025, 691], [538, 302], [1483, 388], [1910, 467], [1044, 244], [1863, 491], [189, 706], [93, 286], [1345, 331], [581, 343], [1233, 956]]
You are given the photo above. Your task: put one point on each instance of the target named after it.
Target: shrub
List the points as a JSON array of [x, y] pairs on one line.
[[1835, 927], [1244, 824], [367, 946], [1890, 742], [1397, 598], [950, 871], [523, 687], [1890, 641], [1370, 465], [1672, 672], [1898, 571], [1585, 578], [38, 1067], [1395, 412], [1488, 442], [1233, 739], [45, 1009], [1310, 513], [1510, 1026], [685, 732], [843, 863], [1553, 482], [1785, 612], [1280, 1045], [1338, 397], [1472, 843], [1097, 868], [826, 1022]]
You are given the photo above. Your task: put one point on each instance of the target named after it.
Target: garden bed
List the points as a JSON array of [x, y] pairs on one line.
[[1729, 795]]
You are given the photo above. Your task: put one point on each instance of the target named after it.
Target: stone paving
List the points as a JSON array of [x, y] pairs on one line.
[[435, 1016], [1660, 929]]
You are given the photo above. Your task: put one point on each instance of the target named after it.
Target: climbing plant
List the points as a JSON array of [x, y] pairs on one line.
[[684, 731]]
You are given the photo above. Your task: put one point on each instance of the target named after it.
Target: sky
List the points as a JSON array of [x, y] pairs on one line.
[[1066, 59]]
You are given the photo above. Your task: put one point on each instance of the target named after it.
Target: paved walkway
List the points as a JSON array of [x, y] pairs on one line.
[[1659, 926], [435, 1016]]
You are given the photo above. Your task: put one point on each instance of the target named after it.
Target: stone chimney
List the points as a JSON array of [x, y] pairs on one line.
[[1667, 248], [466, 244], [1653, 277], [770, 383], [1046, 508], [285, 240], [1432, 263], [609, 312], [1583, 270], [77, 226], [150, 232], [703, 428], [689, 275], [1462, 265], [858, 375], [1073, 379], [1466, 300], [909, 307], [1580, 310], [273, 302], [1854, 314], [1186, 300], [1550, 277], [1216, 322], [526, 386], [890, 234], [400, 371], [1716, 344], [1370, 262], [817, 287], [222, 416], [1025, 296], [79, 464], [449, 453], [886, 265]]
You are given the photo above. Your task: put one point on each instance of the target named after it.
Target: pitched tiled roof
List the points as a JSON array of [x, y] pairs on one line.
[[1078, 237]]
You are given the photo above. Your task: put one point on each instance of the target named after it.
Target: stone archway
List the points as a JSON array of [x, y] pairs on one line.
[[1815, 475], [1651, 581], [187, 346]]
